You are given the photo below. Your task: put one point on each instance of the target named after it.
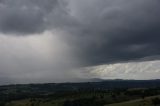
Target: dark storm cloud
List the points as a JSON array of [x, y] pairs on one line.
[[100, 32], [120, 30], [25, 16]]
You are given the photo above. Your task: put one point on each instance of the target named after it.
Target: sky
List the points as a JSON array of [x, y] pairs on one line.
[[72, 40]]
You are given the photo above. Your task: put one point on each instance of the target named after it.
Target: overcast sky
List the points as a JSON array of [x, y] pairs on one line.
[[70, 40]]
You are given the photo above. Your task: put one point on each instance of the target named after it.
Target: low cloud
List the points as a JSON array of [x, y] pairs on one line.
[[129, 70]]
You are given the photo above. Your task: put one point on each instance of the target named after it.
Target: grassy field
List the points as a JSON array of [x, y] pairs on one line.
[[46, 102], [138, 102]]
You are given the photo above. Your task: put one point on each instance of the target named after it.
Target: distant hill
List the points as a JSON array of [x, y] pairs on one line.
[[91, 84]]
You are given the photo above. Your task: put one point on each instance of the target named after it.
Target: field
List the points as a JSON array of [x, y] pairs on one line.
[[147, 101], [105, 93], [138, 102]]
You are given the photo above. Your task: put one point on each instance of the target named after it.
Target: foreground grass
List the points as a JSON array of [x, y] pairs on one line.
[[46, 102], [138, 102]]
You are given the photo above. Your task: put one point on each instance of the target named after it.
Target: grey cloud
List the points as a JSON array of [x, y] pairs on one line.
[[99, 32], [35, 58], [115, 31], [25, 16]]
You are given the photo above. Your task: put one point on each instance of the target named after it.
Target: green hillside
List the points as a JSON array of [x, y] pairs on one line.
[[148, 101]]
